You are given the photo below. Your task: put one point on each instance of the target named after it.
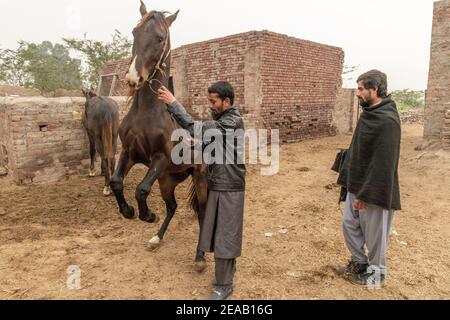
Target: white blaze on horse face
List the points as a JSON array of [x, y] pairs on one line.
[[133, 75]]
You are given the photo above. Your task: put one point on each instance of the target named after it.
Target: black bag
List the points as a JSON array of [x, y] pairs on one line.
[[339, 161], [337, 166]]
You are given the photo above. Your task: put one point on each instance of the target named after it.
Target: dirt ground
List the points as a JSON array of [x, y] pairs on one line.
[[45, 229]]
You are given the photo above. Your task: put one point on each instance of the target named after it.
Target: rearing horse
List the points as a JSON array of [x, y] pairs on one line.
[[146, 131]]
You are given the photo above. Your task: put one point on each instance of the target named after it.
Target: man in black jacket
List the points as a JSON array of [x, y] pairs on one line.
[[223, 224], [370, 175]]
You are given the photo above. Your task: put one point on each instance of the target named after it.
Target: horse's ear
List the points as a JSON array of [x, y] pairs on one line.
[[143, 9], [172, 18]]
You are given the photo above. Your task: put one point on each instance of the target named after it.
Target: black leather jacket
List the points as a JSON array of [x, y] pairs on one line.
[[227, 176]]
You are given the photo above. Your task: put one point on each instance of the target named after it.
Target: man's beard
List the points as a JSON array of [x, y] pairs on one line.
[[214, 114], [364, 104]]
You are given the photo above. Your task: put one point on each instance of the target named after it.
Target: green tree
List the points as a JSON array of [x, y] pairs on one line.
[[97, 53], [44, 66], [12, 71], [50, 66], [409, 99]]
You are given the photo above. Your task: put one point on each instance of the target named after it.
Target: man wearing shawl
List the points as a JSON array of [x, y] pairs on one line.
[[369, 174]]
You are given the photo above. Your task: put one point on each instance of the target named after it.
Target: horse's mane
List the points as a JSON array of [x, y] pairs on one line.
[[160, 16]]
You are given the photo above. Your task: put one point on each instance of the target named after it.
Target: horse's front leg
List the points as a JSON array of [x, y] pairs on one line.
[[167, 184], [116, 183], [158, 165]]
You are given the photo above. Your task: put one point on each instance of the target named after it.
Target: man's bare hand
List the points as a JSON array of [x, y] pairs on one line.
[[360, 205], [166, 96]]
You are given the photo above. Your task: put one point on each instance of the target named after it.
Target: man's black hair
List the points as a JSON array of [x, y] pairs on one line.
[[223, 89], [375, 79]]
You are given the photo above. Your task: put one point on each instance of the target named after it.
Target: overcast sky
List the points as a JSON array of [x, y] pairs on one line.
[[391, 35]]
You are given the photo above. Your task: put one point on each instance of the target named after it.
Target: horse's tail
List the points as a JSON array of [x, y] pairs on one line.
[[193, 198], [107, 137]]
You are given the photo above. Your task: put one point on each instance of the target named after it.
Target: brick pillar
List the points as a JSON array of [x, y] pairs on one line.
[[438, 93]]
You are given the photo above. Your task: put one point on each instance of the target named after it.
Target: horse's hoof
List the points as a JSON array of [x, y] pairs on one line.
[[129, 214], [106, 191], [150, 218], [154, 243], [91, 174], [200, 266]]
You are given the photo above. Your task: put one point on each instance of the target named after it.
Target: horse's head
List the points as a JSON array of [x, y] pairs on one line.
[[151, 46], [88, 93]]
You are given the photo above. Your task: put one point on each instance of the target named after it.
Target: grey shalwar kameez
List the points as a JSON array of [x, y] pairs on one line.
[[370, 174], [222, 227]]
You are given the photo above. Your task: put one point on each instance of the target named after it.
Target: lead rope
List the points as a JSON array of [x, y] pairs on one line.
[[161, 62], [150, 85]]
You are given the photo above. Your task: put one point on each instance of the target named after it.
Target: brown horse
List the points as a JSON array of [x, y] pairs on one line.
[[101, 121], [146, 131]]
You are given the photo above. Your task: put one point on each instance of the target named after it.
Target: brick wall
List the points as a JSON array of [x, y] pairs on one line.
[[7, 90], [280, 82], [446, 131], [5, 142], [412, 116], [438, 93], [120, 68], [345, 113], [44, 137], [236, 59], [300, 83]]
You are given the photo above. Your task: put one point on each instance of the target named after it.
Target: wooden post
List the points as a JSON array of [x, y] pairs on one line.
[[99, 86], [113, 85]]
